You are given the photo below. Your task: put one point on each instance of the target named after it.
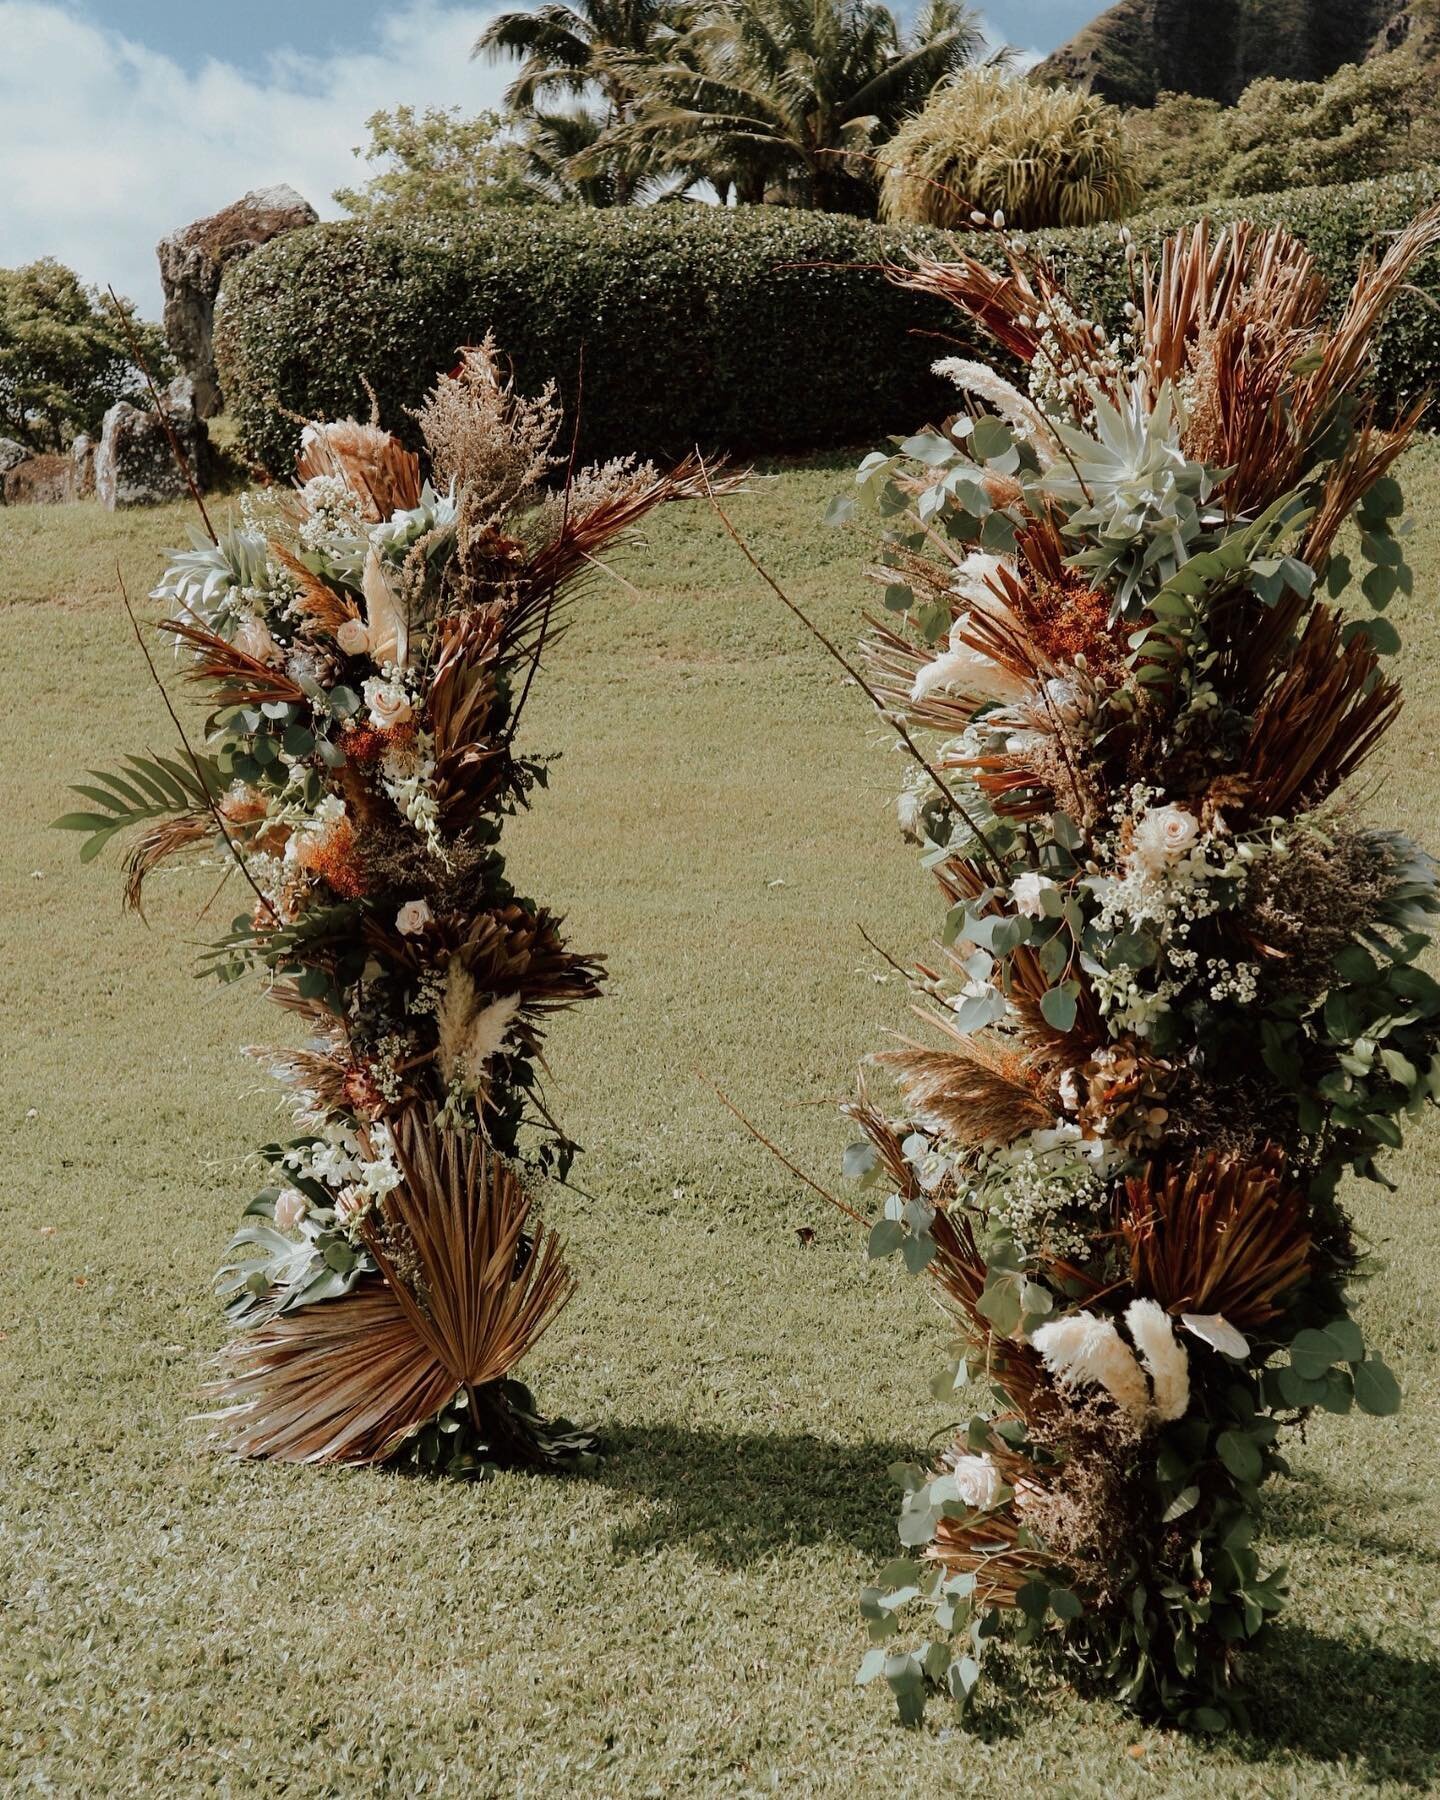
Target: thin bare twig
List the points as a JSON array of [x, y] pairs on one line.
[[778, 1153], [215, 812], [893, 720], [884, 955], [564, 527], [160, 413]]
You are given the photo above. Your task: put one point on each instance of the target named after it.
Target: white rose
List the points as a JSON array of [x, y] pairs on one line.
[[1028, 894], [1164, 835], [291, 1207], [353, 638], [389, 704], [413, 917], [978, 1482]]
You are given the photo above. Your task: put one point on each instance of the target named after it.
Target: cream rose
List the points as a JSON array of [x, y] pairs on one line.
[[353, 637], [413, 917], [1164, 835], [388, 702], [252, 635], [291, 1207]]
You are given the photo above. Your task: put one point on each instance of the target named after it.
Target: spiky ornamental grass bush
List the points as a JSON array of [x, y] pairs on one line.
[[700, 325], [365, 644], [985, 139], [1177, 997]]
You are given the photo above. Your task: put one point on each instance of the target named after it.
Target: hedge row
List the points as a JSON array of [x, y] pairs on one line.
[[757, 329]]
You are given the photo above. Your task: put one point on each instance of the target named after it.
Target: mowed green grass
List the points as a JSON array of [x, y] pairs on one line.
[[682, 1620]]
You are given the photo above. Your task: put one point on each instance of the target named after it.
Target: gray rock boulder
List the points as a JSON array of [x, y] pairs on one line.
[[193, 259], [134, 463], [82, 464], [11, 453]]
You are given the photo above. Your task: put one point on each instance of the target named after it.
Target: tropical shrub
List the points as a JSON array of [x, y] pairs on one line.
[[696, 325], [1041, 155], [1369, 119]]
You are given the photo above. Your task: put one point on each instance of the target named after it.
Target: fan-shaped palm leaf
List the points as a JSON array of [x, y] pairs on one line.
[[464, 1292]]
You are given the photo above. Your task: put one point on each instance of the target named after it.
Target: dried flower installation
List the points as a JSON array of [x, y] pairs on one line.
[[1177, 996], [365, 644]]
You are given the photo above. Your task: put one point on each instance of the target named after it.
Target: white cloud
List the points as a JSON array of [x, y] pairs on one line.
[[106, 144]]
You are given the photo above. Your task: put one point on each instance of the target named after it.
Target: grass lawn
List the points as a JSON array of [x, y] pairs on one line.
[[682, 1620]]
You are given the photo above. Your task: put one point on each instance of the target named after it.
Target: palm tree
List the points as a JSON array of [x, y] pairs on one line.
[[590, 47], [785, 99]]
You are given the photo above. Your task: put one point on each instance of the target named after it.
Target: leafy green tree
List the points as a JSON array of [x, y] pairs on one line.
[[786, 99], [437, 161], [1041, 155], [64, 356]]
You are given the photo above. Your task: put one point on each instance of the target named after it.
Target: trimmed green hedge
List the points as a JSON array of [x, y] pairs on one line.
[[696, 325], [699, 325]]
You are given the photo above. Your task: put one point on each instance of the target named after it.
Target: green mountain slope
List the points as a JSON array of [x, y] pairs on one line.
[[1140, 48]]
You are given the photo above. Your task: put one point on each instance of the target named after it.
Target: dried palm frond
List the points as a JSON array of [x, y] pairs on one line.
[[343, 1381], [1221, 1234], [512, 949], [237, 678], [1011, 304], [1243, 315], [471, 751], [467, 1286], [995, 1547], [1370, 453], [1202, 282], [377, 468], [1320, 720], [1345, 358], [159, 842], [589, 529]]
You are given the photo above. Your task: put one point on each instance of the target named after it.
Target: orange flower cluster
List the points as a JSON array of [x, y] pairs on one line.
[[332, 855]]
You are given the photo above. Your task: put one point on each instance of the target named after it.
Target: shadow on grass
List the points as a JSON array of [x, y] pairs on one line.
[[1374, 1710], [738, 1497], [1314, 1508]]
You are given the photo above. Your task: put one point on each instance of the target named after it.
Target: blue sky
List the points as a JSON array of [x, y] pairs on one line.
[[123, 119], [246, 31]]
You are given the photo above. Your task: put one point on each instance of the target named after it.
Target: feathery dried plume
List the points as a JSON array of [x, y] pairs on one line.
[[496, 446], [1084, 1350], [1164, 1356]]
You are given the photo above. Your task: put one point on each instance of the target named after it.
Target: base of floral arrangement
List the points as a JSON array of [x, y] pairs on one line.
[[497, 1427]]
